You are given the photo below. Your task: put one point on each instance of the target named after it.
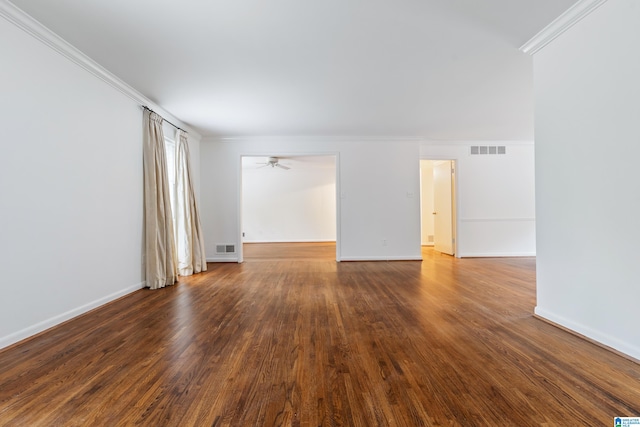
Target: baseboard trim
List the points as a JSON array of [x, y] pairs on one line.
[[40, 327], [382, 258], [496, 254], [220, 259], [608, 343], [291, 241]]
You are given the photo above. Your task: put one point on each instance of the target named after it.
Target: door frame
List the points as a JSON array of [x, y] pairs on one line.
[[456, 198], [276, 153]]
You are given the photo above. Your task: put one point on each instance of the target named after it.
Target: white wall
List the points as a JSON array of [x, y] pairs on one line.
[[295, 205], [587, 85], [495, 197], [378, 183], [426, 185], [71, 213]]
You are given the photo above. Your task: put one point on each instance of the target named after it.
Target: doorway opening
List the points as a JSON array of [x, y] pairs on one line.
[[288, 206], [438, 205]]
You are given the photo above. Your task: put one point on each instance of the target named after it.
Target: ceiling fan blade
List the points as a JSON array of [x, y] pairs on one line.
[[282, 166]]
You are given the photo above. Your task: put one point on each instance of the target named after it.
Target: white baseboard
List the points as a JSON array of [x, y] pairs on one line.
[[292, 241], [222, 259], [597, 337], [383, 258], [495, 254], [63, 317]]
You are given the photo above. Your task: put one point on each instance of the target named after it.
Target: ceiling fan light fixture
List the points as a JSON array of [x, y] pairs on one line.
[[274, 162]]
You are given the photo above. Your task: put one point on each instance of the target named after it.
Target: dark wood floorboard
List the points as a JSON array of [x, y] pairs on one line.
[[292, 338]]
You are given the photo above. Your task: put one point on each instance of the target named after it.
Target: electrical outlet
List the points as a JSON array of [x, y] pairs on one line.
[[384, 242]]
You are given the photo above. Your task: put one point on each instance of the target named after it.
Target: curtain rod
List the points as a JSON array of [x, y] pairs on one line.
[[165, 120]]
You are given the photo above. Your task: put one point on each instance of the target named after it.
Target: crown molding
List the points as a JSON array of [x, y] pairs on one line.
[[313, 138], [568, 19], [467, 142], [364, 138], [34, 28]]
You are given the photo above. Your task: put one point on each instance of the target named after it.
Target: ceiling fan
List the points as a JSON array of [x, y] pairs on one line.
[[274, 163]]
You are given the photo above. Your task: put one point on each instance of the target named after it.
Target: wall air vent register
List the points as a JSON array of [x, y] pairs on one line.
[[488, 149], [225, 249]]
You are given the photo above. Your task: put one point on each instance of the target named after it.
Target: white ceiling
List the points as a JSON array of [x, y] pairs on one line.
[[437, 69]]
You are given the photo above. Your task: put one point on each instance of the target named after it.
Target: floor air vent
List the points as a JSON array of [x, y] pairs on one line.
[[488, 149], [225, 249]]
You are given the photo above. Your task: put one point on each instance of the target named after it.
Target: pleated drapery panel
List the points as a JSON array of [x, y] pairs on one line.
[[190, 244], [161, 263]]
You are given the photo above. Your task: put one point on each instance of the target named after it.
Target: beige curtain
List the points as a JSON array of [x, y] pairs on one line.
[[161, 263], [190, 245]]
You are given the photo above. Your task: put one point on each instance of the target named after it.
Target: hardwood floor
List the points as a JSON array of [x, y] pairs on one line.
[[302, 340]]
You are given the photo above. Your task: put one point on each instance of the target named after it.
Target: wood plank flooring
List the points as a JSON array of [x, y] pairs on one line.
[[292, 338]]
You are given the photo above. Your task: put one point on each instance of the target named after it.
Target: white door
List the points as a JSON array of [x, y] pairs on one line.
[[443, 207]]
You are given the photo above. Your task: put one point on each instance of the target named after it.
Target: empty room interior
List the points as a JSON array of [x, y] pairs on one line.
[[357, 213]]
